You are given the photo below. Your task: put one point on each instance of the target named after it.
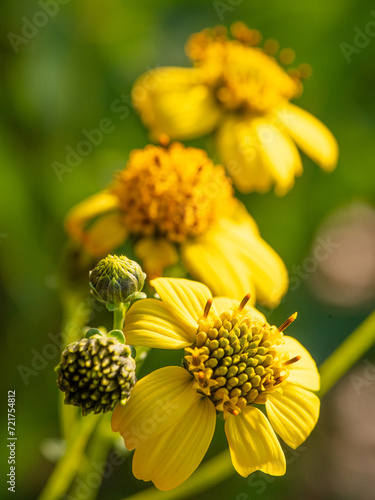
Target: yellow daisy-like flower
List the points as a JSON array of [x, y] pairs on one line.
[[233, 360], [175, 201], [242, 92]]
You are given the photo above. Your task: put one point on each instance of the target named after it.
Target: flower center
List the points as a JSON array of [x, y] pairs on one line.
[[176, 192], [235, 359], [244, 77]]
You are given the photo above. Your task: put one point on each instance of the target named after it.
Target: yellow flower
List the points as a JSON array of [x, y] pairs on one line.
[[243, 93], [175, 201], [233, 360]]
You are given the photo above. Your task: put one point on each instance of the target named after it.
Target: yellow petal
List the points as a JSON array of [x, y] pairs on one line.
[[225, 304], [174, 101], [279, 154], [253, 444], [304, 372], [149, 323], [293, 413], [242, 218], [87, 210], [170, 458], [156, 402], [185, 299], [210, 258], [311, 135], [105, 235], [238, 146], [268, 271], [155, 254]]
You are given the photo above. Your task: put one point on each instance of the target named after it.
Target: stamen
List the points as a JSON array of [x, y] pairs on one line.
[[163, 140], [291, 361], [287, 56], [271, 46], [201, 375], [244, 301], [207, 307], [287, 322], [280, 379]]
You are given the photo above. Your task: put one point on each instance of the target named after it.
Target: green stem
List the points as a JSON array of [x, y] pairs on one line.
[[119, 317], [64, 472], [347, 354], [102, 441], [220, 468], [210, 473]]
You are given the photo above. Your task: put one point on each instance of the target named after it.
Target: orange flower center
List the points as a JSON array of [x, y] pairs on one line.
[[175, 192], [243, 77]]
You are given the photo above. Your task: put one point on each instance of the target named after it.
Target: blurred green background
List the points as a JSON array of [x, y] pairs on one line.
[[61, 78]]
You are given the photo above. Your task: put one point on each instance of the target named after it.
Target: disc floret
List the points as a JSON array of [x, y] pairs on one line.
[[235, 358]]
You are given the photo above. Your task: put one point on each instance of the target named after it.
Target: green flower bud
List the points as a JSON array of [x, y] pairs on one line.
[[117, 279], [96, 373]]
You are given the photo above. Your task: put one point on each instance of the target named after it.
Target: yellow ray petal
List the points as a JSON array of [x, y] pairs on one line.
[[210, 258], [149, 323], [174, 101], [268, 271], [156, 402], [253, 444], [304, 372], [238, 147], [87, 210], [293, 413], [105, 235], [311, 135], [184, 298], [225, 304], [155, 254], [170, 458], [241, 217], [279, 154]]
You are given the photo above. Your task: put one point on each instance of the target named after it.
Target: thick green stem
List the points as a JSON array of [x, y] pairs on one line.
[[64, 472], [97, 453], [347, 354]]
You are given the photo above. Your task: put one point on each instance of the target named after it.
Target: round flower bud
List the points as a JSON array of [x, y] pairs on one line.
[[117, 279], [96, 373]]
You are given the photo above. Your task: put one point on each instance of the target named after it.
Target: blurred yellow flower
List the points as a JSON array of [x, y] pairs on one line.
[[175, 202], [242, 92], [233, 360]]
